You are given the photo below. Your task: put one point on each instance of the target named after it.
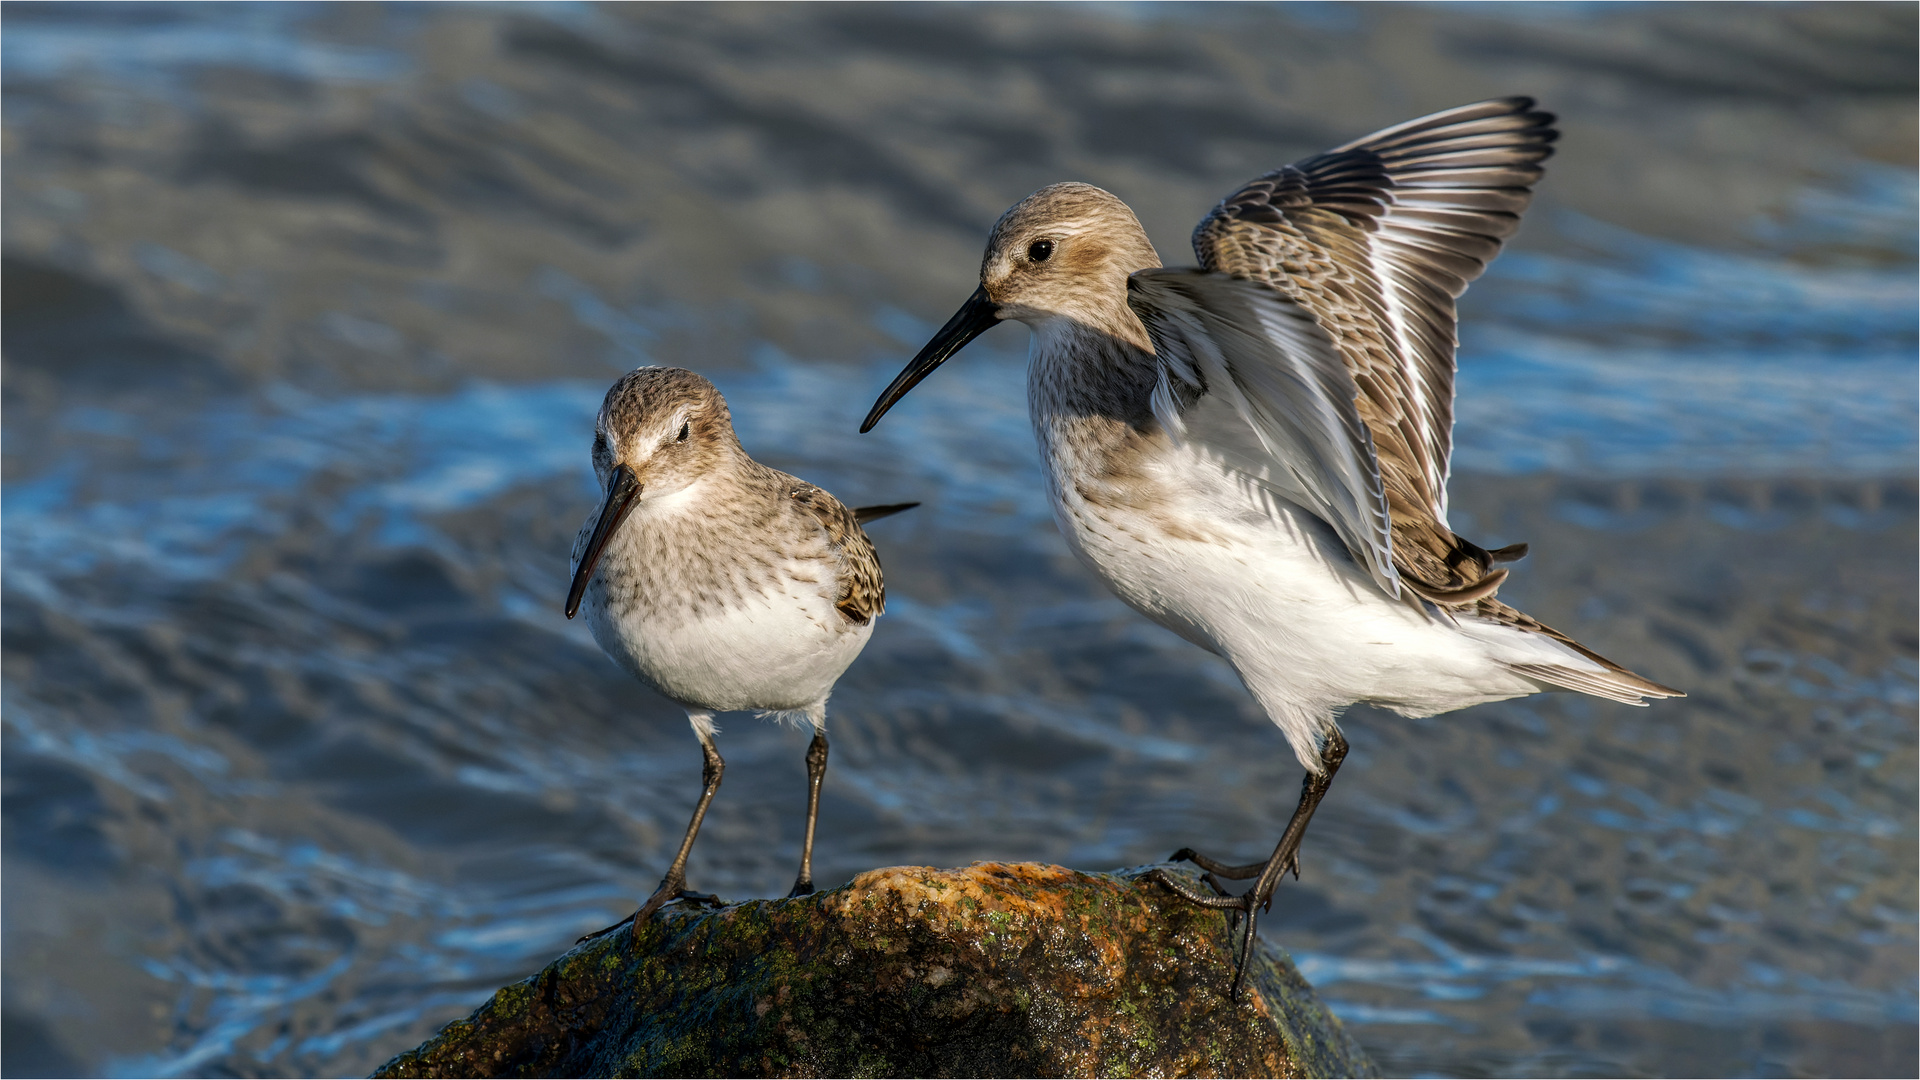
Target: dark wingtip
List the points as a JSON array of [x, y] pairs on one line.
[[1510, 553], [864, 514]]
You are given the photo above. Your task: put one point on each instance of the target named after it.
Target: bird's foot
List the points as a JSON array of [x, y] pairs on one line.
[[671, 889], [801, 887], [1249, 903]]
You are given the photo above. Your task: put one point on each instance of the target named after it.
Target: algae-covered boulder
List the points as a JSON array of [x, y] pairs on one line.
[[994, 970]]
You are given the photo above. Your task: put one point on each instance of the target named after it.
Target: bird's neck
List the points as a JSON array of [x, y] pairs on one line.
[[1080, 367]]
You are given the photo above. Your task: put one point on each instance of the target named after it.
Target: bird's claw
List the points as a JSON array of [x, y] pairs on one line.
[[1248, 903], [668, 892]]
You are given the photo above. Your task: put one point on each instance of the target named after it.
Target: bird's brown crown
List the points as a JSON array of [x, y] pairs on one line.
[[669, 425], [1065, 250]]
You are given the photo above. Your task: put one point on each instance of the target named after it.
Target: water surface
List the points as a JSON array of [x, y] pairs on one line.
[[308, 310]]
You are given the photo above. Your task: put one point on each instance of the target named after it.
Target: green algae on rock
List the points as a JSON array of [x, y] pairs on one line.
[[993, 970]]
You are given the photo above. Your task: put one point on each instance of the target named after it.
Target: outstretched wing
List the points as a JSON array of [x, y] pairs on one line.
[[863, 591], [1376, 239], [1248, 376]]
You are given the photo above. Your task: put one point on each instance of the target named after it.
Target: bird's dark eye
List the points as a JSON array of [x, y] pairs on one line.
[[684, 428], [1040, 250], [599, 444]]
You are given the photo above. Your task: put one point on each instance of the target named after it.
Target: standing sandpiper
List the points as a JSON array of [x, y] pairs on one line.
[[717, 581], [1253, 454]]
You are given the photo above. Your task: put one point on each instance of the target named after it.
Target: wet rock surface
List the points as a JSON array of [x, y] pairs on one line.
[[993, 970]]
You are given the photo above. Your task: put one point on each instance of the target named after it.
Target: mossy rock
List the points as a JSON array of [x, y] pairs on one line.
[[994, 970]]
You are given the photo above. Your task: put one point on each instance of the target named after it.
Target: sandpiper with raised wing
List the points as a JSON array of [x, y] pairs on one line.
[[1254, 453]]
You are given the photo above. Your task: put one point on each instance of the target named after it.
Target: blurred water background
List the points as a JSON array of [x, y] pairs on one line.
[[308, 310]]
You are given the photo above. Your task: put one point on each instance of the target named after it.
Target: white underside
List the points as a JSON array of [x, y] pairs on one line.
[[766, 654], [1270, 588], [776, 651]]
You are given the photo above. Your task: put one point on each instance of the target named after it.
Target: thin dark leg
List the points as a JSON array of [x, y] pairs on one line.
[[1308, 800], [816, 773], [674, 885], [1285, 857]]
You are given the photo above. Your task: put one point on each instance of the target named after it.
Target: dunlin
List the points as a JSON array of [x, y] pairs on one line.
[[1254, 454], [717, 581]]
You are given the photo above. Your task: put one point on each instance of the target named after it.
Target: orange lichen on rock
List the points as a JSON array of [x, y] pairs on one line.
[[989, 901], [991, 970]]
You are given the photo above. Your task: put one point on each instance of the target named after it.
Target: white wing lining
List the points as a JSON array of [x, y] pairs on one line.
[[1266, 357]]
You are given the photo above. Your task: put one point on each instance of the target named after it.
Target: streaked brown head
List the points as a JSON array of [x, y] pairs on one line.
[[659, 431], [669, 425], [1062, 252], [1065, 250]]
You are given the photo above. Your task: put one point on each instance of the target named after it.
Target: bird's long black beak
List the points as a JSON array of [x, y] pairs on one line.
[[975, 317], [622, 493]]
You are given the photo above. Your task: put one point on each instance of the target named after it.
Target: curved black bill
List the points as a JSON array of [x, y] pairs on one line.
[[621, 495], [975, 317]]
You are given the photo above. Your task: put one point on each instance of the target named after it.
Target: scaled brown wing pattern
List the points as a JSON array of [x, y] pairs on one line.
[[863, 592], [1376, 239]]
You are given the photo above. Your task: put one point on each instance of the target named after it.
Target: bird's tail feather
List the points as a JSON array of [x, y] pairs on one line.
[[1603, 678], [1615, 683]]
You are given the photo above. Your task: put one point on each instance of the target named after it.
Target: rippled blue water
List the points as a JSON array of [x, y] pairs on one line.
[[308, 310]]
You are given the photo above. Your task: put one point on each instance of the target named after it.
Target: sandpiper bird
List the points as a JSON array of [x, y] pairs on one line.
[[1254, 453], [717, 581]]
